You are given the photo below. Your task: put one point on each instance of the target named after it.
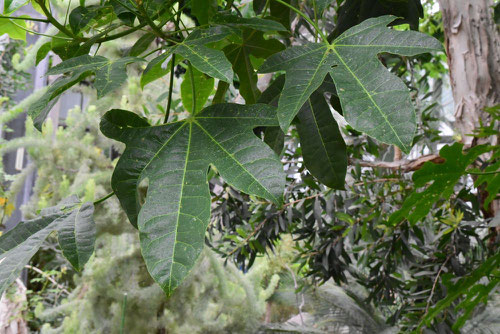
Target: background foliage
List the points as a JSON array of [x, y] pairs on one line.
[[412, 245]]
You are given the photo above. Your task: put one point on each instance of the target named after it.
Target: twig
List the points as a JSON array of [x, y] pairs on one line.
[[296, 286], [377, 181], [245, 241], [435, 283], [403, 165], [48, 277]]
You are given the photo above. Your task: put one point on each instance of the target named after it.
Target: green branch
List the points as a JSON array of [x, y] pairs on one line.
[[23, 18], [472, 172], [55, 23]]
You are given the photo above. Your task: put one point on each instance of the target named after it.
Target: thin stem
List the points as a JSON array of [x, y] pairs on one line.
[[40, 34], [124, 309], [48, 277], [482, 173], [170, 88], [24, 18], [151, 52], [193, 89], [245, 241], [67, 12], [102, 199], [266, 6], [121, 34], [315, 19], [305, 17], [429, 300]]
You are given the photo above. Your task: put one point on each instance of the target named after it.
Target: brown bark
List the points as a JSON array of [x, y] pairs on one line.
[[401, 165], [473, 47]]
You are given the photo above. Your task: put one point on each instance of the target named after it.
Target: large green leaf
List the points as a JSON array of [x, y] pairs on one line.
[[205, 59], [443, 177], [202, 86], [323, 148], [110, 74], [174, 159], [373, 100], [73, 221], [250, 43]]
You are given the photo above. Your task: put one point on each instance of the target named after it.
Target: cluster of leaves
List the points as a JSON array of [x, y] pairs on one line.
[[334, 66]]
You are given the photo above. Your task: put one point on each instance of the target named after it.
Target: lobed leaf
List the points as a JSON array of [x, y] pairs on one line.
[[373, 100], [175, 158]]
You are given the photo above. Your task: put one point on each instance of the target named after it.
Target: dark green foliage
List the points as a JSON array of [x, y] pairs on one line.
[[187, 168]]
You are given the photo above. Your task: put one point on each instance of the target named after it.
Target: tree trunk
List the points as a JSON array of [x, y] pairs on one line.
[[473, 47]]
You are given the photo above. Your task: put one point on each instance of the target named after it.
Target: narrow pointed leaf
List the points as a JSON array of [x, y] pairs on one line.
[[373, 100], [142, 44], [323, 147], [18, 245], [174, 158]]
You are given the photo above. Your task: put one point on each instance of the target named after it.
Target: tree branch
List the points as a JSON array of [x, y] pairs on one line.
[[402, 165]]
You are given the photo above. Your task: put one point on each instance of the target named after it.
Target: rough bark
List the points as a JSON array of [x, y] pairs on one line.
[[473, 47]]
